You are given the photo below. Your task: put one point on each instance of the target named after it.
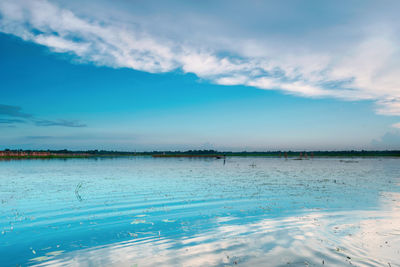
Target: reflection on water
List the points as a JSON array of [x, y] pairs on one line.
[[144, 211]]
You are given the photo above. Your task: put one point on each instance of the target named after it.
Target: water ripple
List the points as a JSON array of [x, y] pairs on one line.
[[178, 212]]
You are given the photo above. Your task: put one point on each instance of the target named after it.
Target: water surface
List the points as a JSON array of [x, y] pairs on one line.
[[143, 211]]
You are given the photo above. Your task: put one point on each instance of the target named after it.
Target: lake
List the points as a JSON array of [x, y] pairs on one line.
[[144, 211]]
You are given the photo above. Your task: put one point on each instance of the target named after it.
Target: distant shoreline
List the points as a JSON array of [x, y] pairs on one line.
[[63, 154]]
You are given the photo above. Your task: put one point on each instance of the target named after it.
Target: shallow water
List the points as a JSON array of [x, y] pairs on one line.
[[144, 211]]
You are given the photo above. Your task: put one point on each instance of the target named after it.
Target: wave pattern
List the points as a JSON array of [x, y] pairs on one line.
[[143, 211]]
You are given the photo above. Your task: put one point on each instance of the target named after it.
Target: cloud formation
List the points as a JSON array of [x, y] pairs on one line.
[[13, 111], [10, 115], [39, 137], [353, 60], [396, 125], [64, 123], [390, 141], [10, 121]]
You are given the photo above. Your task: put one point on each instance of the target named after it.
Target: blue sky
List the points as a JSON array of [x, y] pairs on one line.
[[155, 75]]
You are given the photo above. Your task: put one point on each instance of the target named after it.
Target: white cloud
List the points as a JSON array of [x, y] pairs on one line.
[[396, 125], [232, 80], [367, 68], [60, 44], [388, 106]]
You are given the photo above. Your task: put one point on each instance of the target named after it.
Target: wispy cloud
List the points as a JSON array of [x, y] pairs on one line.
[[10, 121], [39, 137], [13, 111], [63, 123], [11, 115], [396, 125], [390, 140], [365, 68]]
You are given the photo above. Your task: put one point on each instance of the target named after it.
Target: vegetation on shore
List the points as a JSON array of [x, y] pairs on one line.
[[49, 154]]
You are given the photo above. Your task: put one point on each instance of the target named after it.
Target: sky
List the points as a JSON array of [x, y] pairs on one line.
[[176, 75]]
